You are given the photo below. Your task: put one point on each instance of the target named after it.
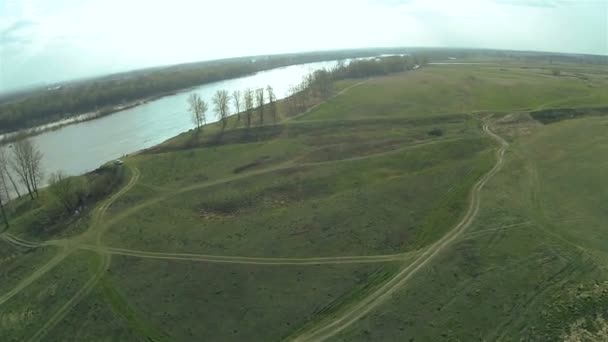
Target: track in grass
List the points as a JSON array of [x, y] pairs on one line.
[[355, 312], [252, 260]]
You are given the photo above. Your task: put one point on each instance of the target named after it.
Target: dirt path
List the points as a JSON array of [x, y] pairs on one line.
[[341, 92], [42, 270], [74, 243], [30, 244], [97, 229], [330, 328], [284, 166], [83, 292], [251, 260]]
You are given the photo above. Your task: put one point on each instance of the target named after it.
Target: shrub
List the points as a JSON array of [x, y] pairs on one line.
[[436, 132], [104, 180]]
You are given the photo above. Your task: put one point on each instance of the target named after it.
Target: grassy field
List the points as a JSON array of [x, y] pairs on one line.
[[391, 212], [442, 89], [95, 319], [17, 262], [236, 302], [24, 315], [321, 210], [533, 265]]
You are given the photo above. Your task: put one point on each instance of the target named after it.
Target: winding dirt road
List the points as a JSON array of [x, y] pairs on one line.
[[97, 228], [34, 276], [331, 327], [251, 260]]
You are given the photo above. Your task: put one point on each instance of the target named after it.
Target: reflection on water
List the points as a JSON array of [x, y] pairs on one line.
[[84, 146]]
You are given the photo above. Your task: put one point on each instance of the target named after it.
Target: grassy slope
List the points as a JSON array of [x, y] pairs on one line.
[[314, 211], [93, 320], [533, 264], [16, 263], [23, 315], [465, 88], [189, 300]]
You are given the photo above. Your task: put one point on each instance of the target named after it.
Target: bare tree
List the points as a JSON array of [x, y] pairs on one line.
[[260, 104], [221, 100], [307, 81], [322, 83], [294, 100], [27, 163], [248, 99], [198, 109], [290, 100], [272, 104], [303, 91], [4, 185], [236, 99], [3, 198], [5, 173]]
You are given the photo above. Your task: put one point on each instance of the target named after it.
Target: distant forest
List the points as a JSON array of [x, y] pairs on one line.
[[103, 94]]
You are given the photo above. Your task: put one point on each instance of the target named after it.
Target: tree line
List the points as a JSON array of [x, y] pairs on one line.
[[247, 105], [261, 103], [103, 94]]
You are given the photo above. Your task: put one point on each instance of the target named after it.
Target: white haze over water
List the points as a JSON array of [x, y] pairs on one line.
[[44, 41]]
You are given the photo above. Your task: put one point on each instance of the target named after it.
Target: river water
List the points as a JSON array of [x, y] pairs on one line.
[[84, 146]]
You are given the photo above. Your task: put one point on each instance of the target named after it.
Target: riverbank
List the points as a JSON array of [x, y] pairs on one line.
[[82, 144], [10, 137], [43, 107]]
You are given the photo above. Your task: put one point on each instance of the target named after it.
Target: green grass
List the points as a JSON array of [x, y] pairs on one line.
[[23, 315], [93, 320], [441, 89], [16, 263], [569, 193], [323, 210], [531, 262], [190, 300]]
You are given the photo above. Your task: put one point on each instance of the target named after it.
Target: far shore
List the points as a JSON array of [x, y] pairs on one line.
[[9, 137]]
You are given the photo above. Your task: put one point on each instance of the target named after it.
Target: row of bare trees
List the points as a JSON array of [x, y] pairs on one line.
[[318, 85], [314, 87], [262, 101], [23, 165]]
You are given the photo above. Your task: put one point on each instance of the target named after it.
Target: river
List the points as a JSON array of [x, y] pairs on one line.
[[82, 147]]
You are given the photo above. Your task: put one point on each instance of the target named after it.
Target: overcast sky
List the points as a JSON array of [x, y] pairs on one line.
[[54, 40]]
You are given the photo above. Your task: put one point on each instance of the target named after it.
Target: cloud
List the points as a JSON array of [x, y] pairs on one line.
[[533, 3], [18, 32], [42, 40], [393, 2]]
